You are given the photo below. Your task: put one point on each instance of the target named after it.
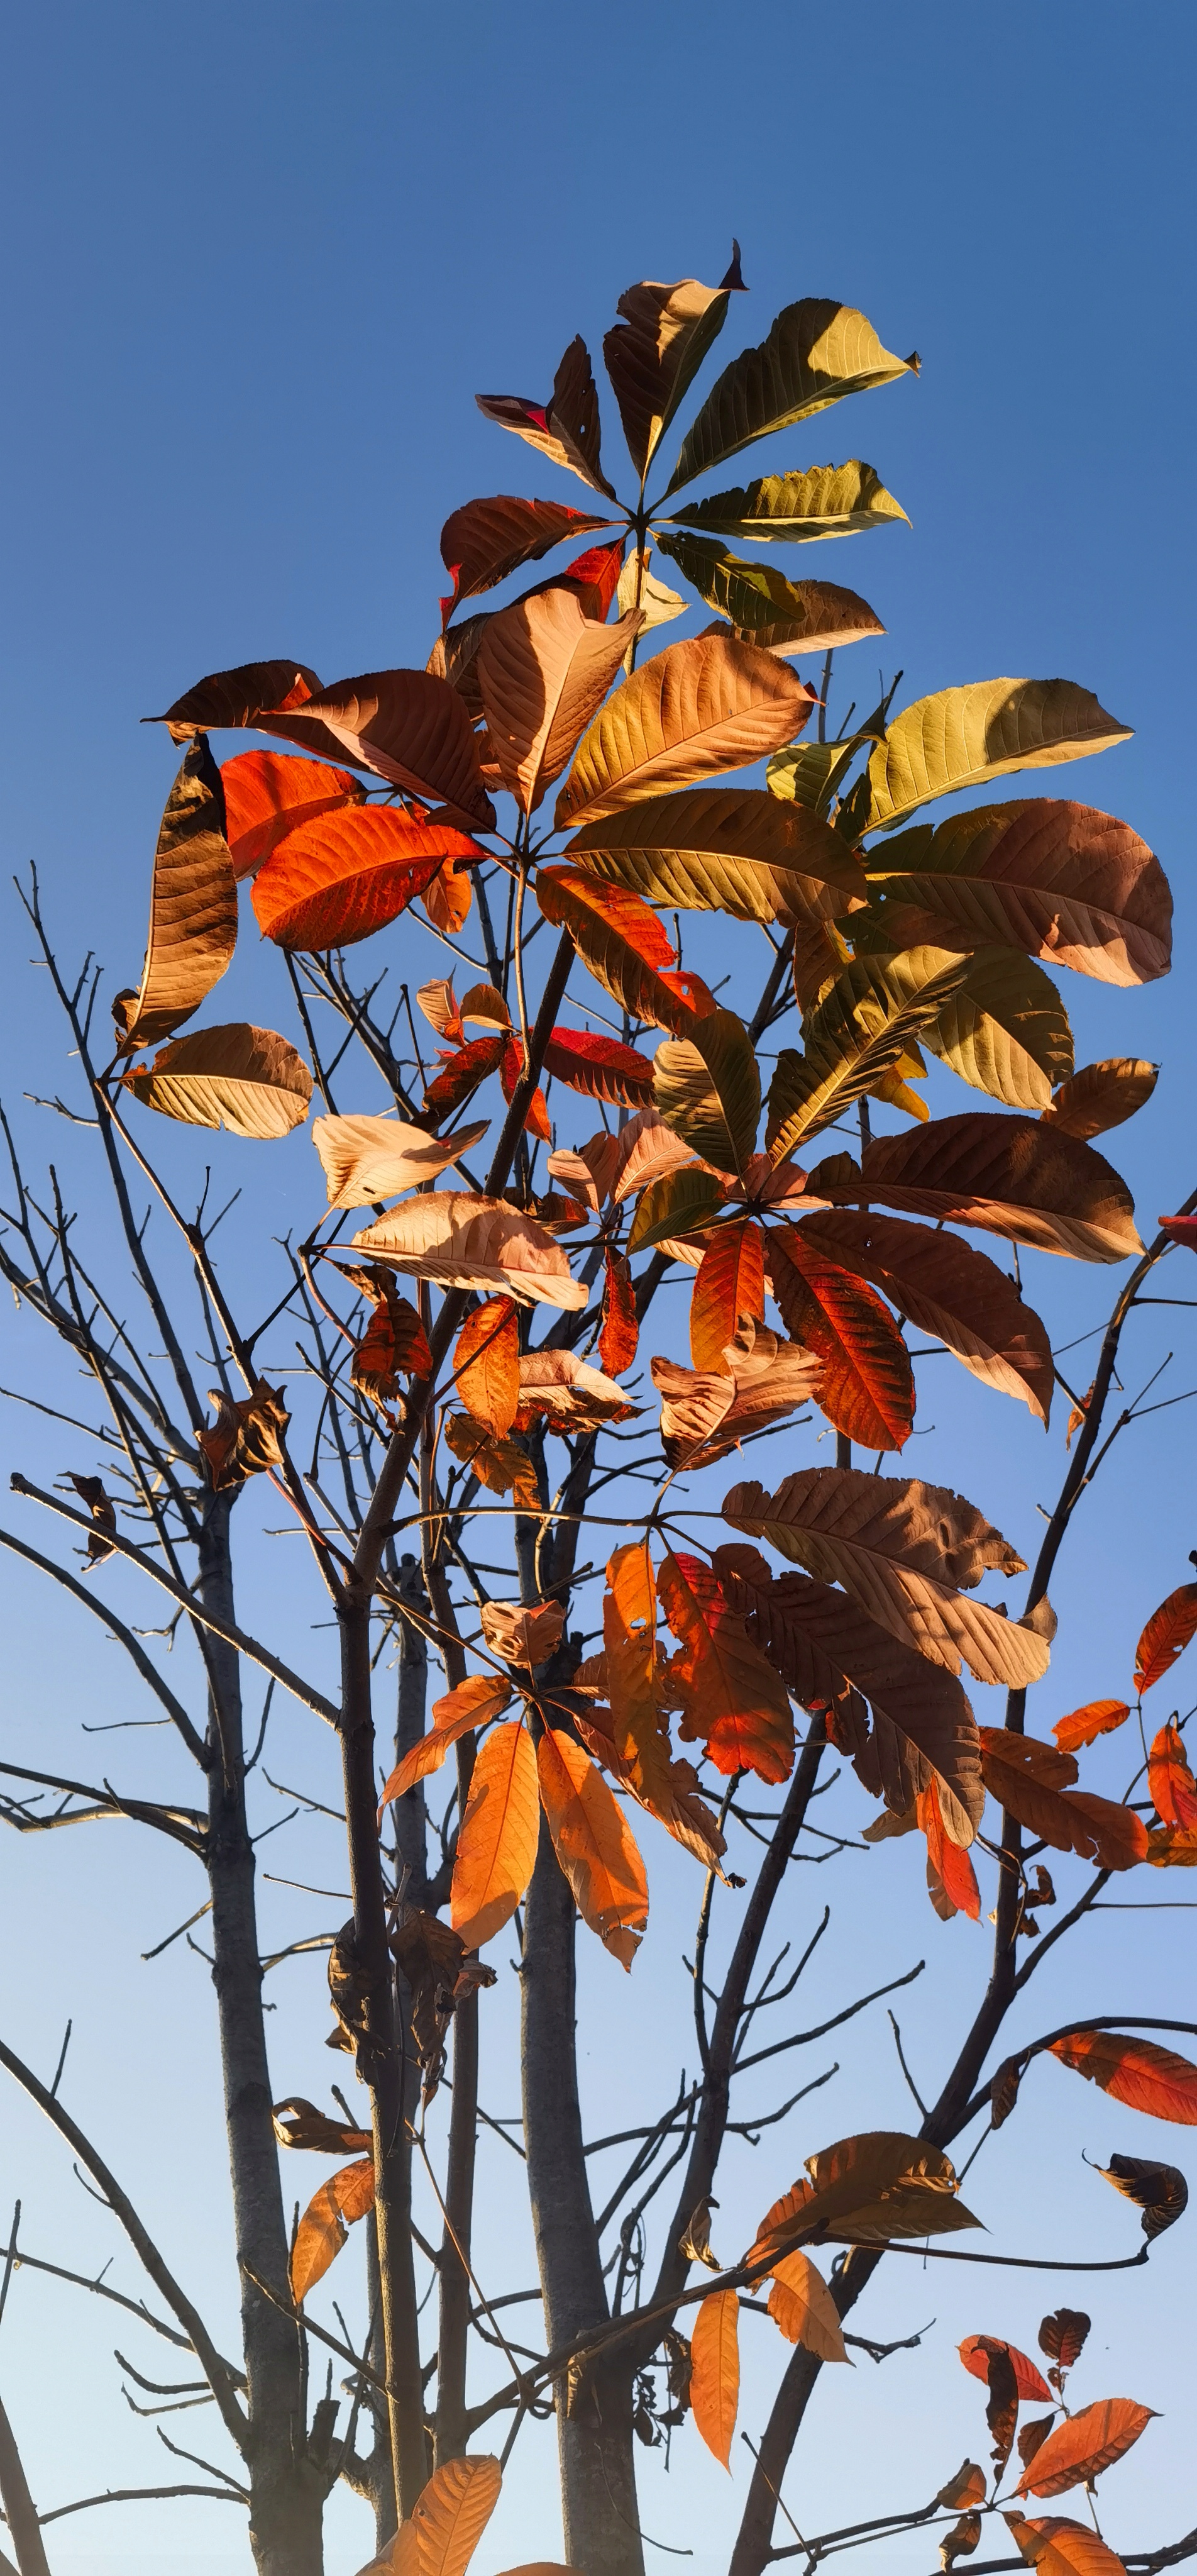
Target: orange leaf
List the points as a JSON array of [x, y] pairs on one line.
[[1165, 1636], [1026, 1777], [496, 1846], [1061, 2548], [464, 1070], [1135, 2071], [802, 2307], [1083, 1725], [487, 1365], [729, 1284], [1081, 2448], [1028, 2379], [620, 1331], [347, 874], [511, 1069], [867, 1388], [268, 793], [951, 1877], [630, 1646], [594, 1845], [450, 2515], [1170, 1780], [732, 1697], [715, 2371], [448, 898], [625, 945], [325, 2224], [485, 540], [522, 1633], [472, 1704]]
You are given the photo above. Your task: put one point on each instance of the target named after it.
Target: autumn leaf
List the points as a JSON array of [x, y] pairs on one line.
[[943, 1287], [857, 1032], [486, 1364], [1167, 1633], [522, 1635], [869, 2190], [1061, 2548], [496, 1844], [1060, 881], [501, 1465], [566, 427], [346, 874], [91, 1490], [903, 1549], [951, 1878], [237, 697], [967, 2487], [465, 1068], [375, 1158], [193, 908], [1159, 2192], [1080, 2449], [447, 2522], [715, 2371], [802, 2307], [600, 1067], [736, 850], [961, 737], [248, 1080], [485, 540], [544, 668], [729, 1286], [690, 711], [297, 2123], [594, 1845], [409, 727], [960, 2541], [630, 1647], [824, 501], [1102, 1095], [246, 1438], [1030, 1780], [762, 606], [1170, 1780], [268, 793], [654, 352], [732, 1699], [558, 1387], [705, 1413], [619, 1332], [448, 896], [816, 352], [1062, 2336], [1008, 1175], [1083, 1725], [461, 1712], [461, 1241], [1028, 2379], [625, 945], [324, 2226], [1136, 2071], [679, 1205], [867, 1386]]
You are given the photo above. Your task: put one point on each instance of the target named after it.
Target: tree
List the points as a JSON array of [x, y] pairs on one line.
[[451, 1405]]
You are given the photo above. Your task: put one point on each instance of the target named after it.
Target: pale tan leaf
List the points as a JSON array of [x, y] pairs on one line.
[[559, 1387], [520, 1635], [375, 1158], [1101, 1095], [248, 1080], [461, 1241], [647, 1150], [544, 668], [689, 712], [801, 2304], [705, 1413], [654, 353]]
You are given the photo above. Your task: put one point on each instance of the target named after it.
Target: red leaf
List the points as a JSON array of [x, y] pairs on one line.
[[732, 1698], [1173, 1788], [951, 1878], [974, 2353], [1084, 1725], [620, 1331], [1183, 1229], [462, 1075], [485, 540], [596, 575], [1134, 2071], [510, 1071], [1165, 1636], [340, 878], [600, 1067], [868, 1383], [729, 1284], [626, 946], [268, 793]]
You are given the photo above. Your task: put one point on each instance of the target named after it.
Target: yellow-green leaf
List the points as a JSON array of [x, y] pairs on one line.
[[857, 1033], [722, 849], [762, 605], [1004, 1029], [961, 737], [678, 1203], [708, 1089], [825, 501], [816, 352]]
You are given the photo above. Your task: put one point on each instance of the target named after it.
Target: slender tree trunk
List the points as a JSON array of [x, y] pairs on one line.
[[594, 2414], [286, 2489], [453, 2340], [19, 2508], [754, 2540], [408, 1817]]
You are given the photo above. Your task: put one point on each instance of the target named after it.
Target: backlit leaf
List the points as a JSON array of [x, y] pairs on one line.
[[722, 849], [1062, 2336], [394, 1341], [1168, 1631], [594, 1845], [375, 1158], [801, 2305], [1061, 2548], [902, 1549], [566, 427], [1008, 1175], [1004, 1029], [248, 1080], [730, 1284], [620, 1330], [654, 353], [410, 727], [867, 1386], [461, 1241], [1159, 2192], [345, 875], [1100, 1096], [600, 1067], [240, 697], [193, 908], [623, 942], [485, 540], [1084, 1725], [522, 1633], [1135, 2071], [869, 2190], [448, 896], [501, 1465], [544, 668], [1028, 2378], [1080, 2449], [629, 1642], [450, 2516], [496, 1845], [325, 2224], [1060, 880], [268, 793], [1170, 1780], [646, 1149], [1029, 1780], [464, 1070], [461, 1712], [945, 1288], [764, 607], [677, 1204], [816, 352], [856, 1034], [708, 1089], [690, 711], [486, 1364], [825, 501], [705, 1413], [961, 737], [951, 1878], [715, 2371], [732, 1699]]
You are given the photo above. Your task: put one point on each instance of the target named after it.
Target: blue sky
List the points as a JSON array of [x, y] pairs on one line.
[[259, 260]]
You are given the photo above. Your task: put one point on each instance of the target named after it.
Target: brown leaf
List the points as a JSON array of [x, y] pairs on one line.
[[733, 1701], [1001, 2413], [325, 2224], [868, 2190], [691, 711], [1101, 1096], [193, 909], [485, 540], [715, 2371], [1033, 2436], [268, 793], [1167, 1633], [462, 1241], [90, 1490], [946, 1288], [967, 2487], [703, 1415], [653, 355], [410, 728], [520, 1635], [625, 945], [1010, 1176], [375, 1158], [566, 427], [558, 1387], [694, 2243], [544, 668], [496, 1842], [501, 1465], [961, 2540], [431, 1958], [1057, 879], [447, 898], [951, 1878], [901, 1548], [1135, 2071], [299, 2124], [1061, 2548], [238, 698], [236, 1076], [1026, 1778], [246, 1439], [1080, 2449], [620, 1331], [394, 1341], [867, 1385], [595, 1848], [647, 1150], [629, 1643], [1062, 2335]]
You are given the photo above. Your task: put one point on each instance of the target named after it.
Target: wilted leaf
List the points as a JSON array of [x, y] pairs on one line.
[[1028, 2379], [825, 501], [297, 2123], [268, 793], [816, 352], [694, 2244], [1009, 1176], [394, 1341], [236, 698], [544, 668], [960, 737], [521, 1635], [1168, 1631], [566, 427], [245, 1439], [732, 1699], [655, 352], [1159, 2191], [594, 1845], [1060, 2548], [375, 1158], [722, 849], [461, 1712], [867, 1387], [620, 1331], [704, 1414], [496, 1844], [1135, 2071], [485, 540], [1170, 1780], [902, 1549], [1080, 2449], [1059, 880], [248, 1080], [600, 1067], [1033, 2436], [763, 607], [193, 908], [324, 2226], [961, 2540], [1102, 1095], [486, 1364], [1001, 2413], [868, 2190], [559, 1387], [802, 2307], [90, 1490], [708, 1089], [695, 708], [945, 1288], [347, 874], [1062, 2335], [501, 1465], [715, 2371], [967, 2487], [729, 1286], [465, 1242], [1084, 1725]]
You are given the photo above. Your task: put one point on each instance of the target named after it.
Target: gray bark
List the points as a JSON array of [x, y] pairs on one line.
[[19, 2508]]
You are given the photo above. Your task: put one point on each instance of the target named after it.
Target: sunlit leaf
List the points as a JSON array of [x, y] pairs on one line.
[[856, 1034], [715, 2371], [1060, 2548], [654, 353], [705, 1413], [193, 908], [708, 1089], [325, 2224], [496, 1844], [763, 606], [594, 1845], [947, 1289], [566, 427], [1083, 1725], [961, 737], [345, 875], [461, 1712], [1080, 2449], [867, 2190], [1031, 1780], [801, 2305], [1004, 1029], [600, 1067], [486, 1364], [723, 849], [620, 1331], [1136, 2071], [268, 793], [248, 1080], [544, 668], [825, 501], [375, 1158], [462, 1241], [1061, 881], [450, 2515], [1168, 1631], [730, 1285], [816, 352], [625, 945], [867, 1386], [485, 540], [951, 1878], [1008, 1175], [1159, 2192], [1028, 2378], [1102, 1095], [1170, 1779], [732, 1699], [690, 711]]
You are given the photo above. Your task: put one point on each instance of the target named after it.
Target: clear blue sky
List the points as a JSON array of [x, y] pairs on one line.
[[258, 261]]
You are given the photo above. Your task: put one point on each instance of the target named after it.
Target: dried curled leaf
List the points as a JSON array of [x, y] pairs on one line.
[[91, 1491], [300, 2124], [866, 2190], [1159, 2191], [193, 908], [520, 1635], [704, 1414], [558, 1387], [246, 1439], [1063, 2335], [246, 1079]]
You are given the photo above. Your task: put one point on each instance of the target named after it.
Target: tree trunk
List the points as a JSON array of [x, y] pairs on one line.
[[19, 2508], [286, 2489], [754, 2540], [594, 2416]]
